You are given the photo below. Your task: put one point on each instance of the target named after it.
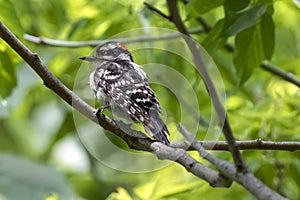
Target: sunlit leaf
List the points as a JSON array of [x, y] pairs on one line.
[[52, 197], [199, 7], [120, 194], [7, 75], [8, 16], [266, 107]]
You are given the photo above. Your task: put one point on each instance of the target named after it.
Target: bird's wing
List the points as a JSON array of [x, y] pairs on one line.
[[128, 88], [128, 105]]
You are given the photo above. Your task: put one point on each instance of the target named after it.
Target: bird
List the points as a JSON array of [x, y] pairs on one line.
[[122, 86]]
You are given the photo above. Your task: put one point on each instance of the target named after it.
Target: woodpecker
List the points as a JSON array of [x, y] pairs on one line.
[[122, 86]]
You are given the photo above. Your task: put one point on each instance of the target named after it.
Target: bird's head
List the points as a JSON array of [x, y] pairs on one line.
[[110, 51]]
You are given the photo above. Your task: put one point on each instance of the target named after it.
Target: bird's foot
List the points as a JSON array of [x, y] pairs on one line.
[[101, 109]]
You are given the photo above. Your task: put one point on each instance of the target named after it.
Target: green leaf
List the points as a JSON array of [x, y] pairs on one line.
[[7, 75], [239, 17], [225, 67], [120, 194], [268, 35], [30, 180], [212, 42], [234, 6], [9, 17], [199, 7], [253, 45], [153, 189], [249, 52]]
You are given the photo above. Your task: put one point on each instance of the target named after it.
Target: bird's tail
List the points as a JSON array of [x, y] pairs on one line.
[[157, 128]]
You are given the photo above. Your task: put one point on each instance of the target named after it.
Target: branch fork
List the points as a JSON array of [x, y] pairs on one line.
[[227, 172]]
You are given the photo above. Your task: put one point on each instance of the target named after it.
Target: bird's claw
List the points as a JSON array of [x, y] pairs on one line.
[[101, 109]]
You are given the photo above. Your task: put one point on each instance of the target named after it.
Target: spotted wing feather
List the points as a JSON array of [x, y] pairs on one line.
[[128, 88]]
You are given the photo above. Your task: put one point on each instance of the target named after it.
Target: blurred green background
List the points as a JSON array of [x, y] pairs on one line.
[[41, 154]]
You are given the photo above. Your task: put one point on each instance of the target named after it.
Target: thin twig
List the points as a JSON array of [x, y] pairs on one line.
[[288, 76], [191, 165], [198, 61], [227, 169], [281, 73], [265, 65], [145, 144], [204, 23], [94, 43], [150, 7], [162, 151], [243, 145]]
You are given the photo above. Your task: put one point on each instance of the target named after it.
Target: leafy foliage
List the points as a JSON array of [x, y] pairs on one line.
[[37, 126], [7, 75]]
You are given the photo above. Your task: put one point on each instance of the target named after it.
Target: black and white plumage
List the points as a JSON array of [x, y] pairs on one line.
[[123, 86]]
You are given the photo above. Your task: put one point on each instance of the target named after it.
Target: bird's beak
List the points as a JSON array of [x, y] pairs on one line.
[[88, 58]]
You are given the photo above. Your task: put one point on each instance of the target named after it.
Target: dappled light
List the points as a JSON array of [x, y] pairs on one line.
[[210, 109]]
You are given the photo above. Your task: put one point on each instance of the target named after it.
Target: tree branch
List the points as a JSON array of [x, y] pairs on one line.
[[94, 43], [227, 169], [198, 61], [258, 144], [128, 135], [162, 151], [288, 76], [150, 7], [265, 65], [190, 164]]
